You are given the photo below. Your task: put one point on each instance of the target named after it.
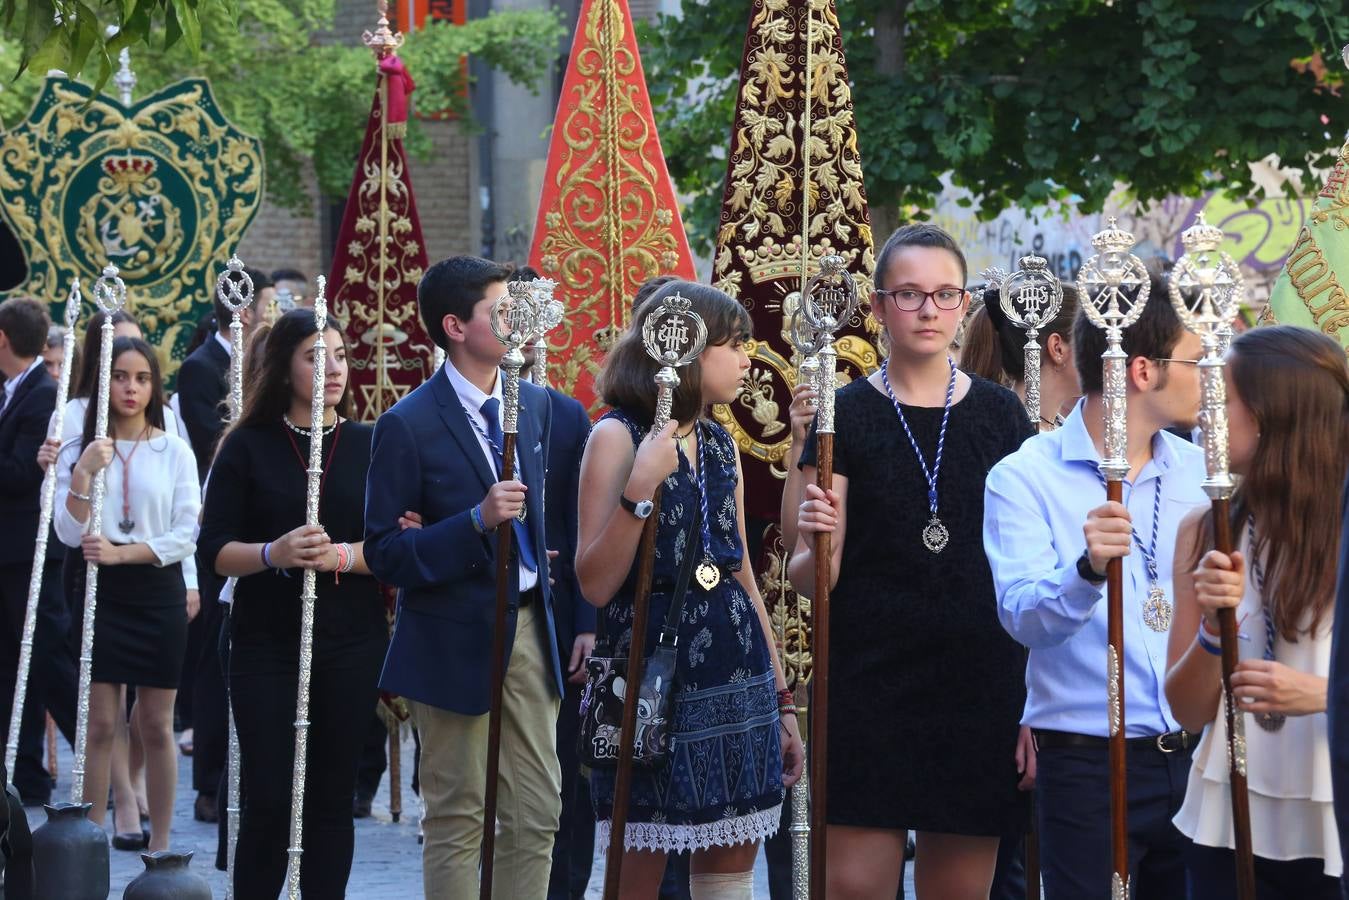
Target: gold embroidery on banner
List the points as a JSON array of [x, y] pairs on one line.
[[607, 228]]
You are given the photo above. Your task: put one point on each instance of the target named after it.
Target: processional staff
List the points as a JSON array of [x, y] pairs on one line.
[[110, 295], [1205, 288], [308, 595], [1105, 283], [1030, 298], [807, 344], [44, 522], [525, 312], [235, 290], [673, 335], [828, 302]]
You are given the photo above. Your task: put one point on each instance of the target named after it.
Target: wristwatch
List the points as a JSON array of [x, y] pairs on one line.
[[1086, 571], [640, 508]]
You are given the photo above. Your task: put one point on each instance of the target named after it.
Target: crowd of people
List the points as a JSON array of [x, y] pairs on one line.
[[967, 695]]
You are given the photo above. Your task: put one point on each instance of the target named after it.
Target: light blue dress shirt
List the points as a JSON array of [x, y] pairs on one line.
[[1035, 504]]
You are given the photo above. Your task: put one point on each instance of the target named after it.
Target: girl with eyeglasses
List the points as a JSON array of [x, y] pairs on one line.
[[923, 679]]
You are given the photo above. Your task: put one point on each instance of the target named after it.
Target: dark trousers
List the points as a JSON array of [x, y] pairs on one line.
[[53, 679], [574, 844], [1211, 873], [374, 757], [210, 716], [263, 675], [1072, 797]]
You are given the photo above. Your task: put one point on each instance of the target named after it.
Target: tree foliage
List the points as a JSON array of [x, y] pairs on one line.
[[306, 100], [1022, 101]]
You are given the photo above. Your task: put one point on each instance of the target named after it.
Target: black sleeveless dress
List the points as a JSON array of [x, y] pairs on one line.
[[926, 688]]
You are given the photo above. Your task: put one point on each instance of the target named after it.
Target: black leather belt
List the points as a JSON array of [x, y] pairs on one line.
[[528, 597], [1170, 742]]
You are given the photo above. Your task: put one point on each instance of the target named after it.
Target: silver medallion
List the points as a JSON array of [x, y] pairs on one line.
[[520, 516], [1157, 610], [708, 575], [935, 536], [1271, 722]]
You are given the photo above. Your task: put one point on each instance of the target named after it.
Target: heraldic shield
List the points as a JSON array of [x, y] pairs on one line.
[[163, 189]]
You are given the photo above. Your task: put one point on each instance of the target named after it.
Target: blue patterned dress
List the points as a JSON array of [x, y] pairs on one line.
[[722, 784]]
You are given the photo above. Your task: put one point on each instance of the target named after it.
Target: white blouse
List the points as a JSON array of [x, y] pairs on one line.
[[164, 499], [1288, 771], [72, 429]]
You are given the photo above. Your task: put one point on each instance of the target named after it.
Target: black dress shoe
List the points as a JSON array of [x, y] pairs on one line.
[[131, 840], [204, 809], [360, 807]]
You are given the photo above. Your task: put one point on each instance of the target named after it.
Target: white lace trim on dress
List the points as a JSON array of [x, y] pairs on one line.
[[678, 838]]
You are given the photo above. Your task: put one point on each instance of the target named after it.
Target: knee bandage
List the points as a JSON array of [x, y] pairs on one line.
[[722, 886]]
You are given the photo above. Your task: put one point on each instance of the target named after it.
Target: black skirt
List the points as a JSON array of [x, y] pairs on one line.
[[140, 626]]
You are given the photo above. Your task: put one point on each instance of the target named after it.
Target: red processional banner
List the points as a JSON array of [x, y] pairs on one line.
[[607, 219]]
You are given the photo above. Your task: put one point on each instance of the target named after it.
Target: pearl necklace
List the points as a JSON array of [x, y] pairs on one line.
[[307, 431]]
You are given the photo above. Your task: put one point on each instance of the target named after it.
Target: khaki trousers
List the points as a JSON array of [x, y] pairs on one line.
[[453, 777]]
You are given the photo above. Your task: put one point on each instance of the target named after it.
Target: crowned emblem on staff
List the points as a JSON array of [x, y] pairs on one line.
[[1030, 298]]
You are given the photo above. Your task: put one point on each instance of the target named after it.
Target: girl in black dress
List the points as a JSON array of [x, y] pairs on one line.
[[254, 529], [926, 689], [140, 627]]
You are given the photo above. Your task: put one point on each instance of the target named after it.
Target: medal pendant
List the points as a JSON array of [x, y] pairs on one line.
[[520, 516], [1157, 611], [935, 536], [126, 525], [708, 575], [1270, 722]]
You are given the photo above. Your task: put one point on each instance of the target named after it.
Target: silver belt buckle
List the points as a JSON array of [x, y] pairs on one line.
[[1161, 745]]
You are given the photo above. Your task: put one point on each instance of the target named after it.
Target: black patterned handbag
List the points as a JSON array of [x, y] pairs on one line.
[[606, 686]]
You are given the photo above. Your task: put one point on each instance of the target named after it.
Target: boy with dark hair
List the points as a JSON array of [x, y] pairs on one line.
[[26, 404], [1049, 537], [439, 451]]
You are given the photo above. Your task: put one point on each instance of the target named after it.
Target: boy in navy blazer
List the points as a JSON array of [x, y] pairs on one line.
[[438, 451]]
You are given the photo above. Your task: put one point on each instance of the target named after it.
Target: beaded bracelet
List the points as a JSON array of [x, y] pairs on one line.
[[786, 697], [350, 554], [78, 496], [266, 557], [788, 709], [342, 555], [478, 524]]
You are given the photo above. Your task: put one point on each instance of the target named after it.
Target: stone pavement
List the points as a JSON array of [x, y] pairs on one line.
[[387, 864]]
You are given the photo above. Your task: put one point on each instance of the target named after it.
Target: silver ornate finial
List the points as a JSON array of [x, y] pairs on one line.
[[73, 303], [1030, 298], [1112, 239], [234, 288], [1201, 237], [125, 79], [673, 335], [549, 314], [110, 290], [993, 277], [383, 40], [830, 299]]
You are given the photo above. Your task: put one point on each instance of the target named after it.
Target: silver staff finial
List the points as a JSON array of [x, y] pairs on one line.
[[1030, 298], [673, 335]]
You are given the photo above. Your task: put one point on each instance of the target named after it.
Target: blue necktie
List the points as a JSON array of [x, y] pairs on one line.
[[497, 438]]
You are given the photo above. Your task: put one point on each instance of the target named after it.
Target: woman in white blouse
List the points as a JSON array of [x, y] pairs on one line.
[[1288, 414], [150, 510]]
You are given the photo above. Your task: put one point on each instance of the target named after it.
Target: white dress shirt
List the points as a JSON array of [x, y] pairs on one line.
[[472, 399], [1035, 503], [12, 385]]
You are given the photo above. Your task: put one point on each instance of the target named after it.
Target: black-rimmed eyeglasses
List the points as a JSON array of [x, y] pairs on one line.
[[910, 300]]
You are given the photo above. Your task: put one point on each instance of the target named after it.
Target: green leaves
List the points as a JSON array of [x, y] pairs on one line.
[[1024, 100]]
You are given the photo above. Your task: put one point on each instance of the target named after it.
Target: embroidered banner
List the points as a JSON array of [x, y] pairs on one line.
[[379, 257], [607, 218], [163, 189], [1310, 291], [793, 195]]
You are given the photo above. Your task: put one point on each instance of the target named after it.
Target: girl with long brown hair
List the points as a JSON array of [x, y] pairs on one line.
[[253, 529], [1288, 420]]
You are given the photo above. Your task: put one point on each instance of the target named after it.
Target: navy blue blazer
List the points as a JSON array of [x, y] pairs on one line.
[[566, 444], [1337, 703], [23, 428], [425, 457]]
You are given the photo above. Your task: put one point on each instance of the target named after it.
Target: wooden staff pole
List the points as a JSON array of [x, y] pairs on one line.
[[674, 335], [1205, 287]]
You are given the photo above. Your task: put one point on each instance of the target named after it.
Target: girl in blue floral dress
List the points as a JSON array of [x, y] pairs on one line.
[[735, 743]]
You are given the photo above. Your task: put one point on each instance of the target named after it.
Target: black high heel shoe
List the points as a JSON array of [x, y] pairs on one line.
[[131, 840]]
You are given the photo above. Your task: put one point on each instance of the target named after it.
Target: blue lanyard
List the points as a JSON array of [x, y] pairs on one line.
[[930, 475], [1149, 550]]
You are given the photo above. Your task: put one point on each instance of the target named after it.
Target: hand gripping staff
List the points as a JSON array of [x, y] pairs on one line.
[[308, 596], [110, 295], [1114, 286], [234, 287], [828, 302], [1205, 288], [44, 522], [522, 315], [674, 335]]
